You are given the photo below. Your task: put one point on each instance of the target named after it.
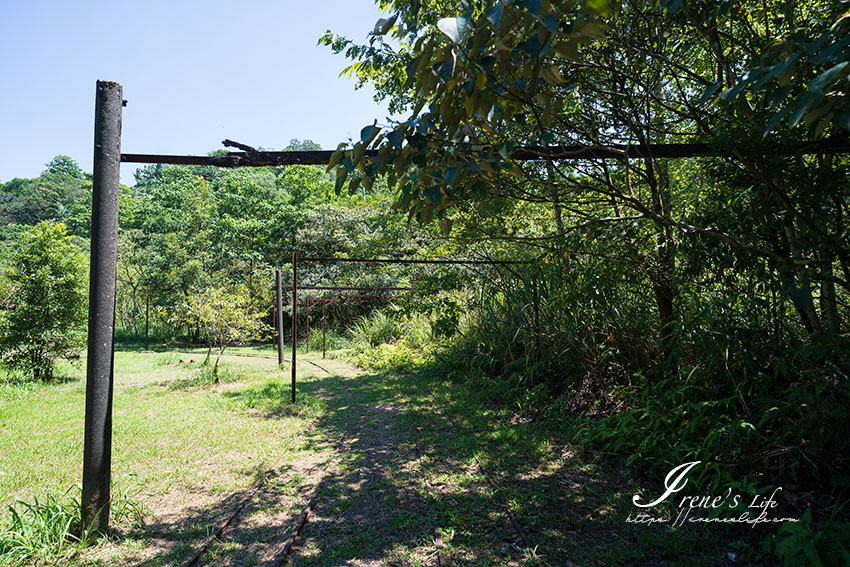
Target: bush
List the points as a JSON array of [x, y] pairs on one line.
[[46, 316], [49, 531]]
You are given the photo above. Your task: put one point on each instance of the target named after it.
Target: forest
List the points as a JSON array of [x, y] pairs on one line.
[[656, 311]]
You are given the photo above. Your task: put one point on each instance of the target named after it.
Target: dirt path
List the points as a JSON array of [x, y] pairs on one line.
[[371, 507], [407, 463]]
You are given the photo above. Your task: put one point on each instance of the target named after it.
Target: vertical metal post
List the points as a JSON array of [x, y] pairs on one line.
[[147, 318], [324, 310], [97, 452], [279, 317], [294, 317], [308, 324]]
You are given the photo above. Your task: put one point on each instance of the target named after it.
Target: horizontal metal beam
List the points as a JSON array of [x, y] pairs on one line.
[[327, 288], [834, 145], [406, 261], [342, 296]]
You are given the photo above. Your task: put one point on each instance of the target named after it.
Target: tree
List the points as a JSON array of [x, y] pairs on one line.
[[50, 196], [46, 307], [485, 77], [225, 317], [65, 166]]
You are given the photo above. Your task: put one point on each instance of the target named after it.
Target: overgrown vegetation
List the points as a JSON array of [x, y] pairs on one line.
[[680, 310], [44, 311], [49, 531], [661, 311]]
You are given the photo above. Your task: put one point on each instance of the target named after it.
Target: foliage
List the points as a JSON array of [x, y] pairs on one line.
[[46, 300], [51, 196], [41, 530], [224, 316], [49, 531], [389, 339], [819, 544]]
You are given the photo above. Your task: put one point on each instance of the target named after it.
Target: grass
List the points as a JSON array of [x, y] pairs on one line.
[[571, 506], [194, 448], [184, 440]]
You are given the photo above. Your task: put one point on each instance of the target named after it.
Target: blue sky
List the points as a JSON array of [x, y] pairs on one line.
[[194, 73]]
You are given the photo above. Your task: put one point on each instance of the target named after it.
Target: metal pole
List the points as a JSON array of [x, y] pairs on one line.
[[294, 317], [147, 318], [308, 324], [97, 451], [279, 317], [324, 326]]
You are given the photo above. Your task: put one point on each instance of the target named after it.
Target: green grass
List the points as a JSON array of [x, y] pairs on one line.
[[186, 451], [182, 439]]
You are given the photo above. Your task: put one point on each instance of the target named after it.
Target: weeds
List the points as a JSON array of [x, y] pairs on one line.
[[207, 376], [49, 530]]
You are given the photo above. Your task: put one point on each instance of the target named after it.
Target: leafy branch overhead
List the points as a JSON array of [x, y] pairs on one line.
[[499, 74], [470, 76]]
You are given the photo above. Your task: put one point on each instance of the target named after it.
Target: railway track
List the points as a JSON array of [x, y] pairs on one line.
[[197, 557], [279, 558], [282, 555]]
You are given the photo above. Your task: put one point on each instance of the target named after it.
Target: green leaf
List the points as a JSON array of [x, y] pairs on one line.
[[550, 23], [384, 25], [731, 93], [434, 195], [568, 49], [593, 30], [336, 157], [822, 80], [600, 7], [553, 75], [446, 225], [341, 174], [394, 138], [368, 133], [353, 184], [795, 117], [451, 175], [533, 6], [708, 93], [505, 150], [444, 69], [455, 28], [494, 15]]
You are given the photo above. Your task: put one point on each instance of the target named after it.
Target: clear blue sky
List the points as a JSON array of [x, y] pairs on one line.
[[194, 73]]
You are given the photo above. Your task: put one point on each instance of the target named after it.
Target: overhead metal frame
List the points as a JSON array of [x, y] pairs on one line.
[[105, 184]]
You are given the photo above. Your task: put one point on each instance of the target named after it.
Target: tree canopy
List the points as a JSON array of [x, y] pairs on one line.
[[45, 296]]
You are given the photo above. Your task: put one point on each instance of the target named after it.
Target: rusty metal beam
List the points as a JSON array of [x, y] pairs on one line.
[[406, 261], [833, 145]]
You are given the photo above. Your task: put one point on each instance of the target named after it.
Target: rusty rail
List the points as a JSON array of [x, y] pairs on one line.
[[833, 145]]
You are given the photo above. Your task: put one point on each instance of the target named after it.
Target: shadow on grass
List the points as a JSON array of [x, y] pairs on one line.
[[394, 431], [272, 398], [20, 380]]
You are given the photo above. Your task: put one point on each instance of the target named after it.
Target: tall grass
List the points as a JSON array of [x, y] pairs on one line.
[[48, 530], [391, 339]]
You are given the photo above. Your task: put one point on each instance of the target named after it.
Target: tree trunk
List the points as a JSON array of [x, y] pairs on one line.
[[829, 304], [663, 284], [215, 368], [808, 315]]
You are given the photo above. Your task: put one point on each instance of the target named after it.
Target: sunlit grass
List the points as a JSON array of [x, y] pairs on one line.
[[171, 426]]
